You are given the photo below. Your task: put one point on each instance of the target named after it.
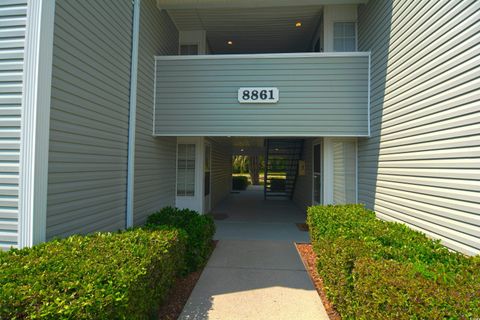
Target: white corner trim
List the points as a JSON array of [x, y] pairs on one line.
[[154, 97], [369, 92], [132, 115], [35, 123]]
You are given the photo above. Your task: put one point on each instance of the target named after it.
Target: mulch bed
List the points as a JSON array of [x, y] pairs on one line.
[[179, 294], [308, 256]]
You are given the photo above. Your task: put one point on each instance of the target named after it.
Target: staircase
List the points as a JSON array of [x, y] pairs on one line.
[[284, 154]]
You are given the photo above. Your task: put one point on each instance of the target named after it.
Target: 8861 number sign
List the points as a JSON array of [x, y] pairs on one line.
[[258, 95]]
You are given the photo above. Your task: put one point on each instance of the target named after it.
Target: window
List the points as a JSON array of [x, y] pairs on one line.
[[186, 170], [344, 172], [344, 36], [188, 49]]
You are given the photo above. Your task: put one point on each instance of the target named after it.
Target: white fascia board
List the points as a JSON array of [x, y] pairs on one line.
[[35, 123], [267, 56]]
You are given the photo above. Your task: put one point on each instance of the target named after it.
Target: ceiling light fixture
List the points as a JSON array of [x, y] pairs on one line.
[[229, 42], [298, 24]]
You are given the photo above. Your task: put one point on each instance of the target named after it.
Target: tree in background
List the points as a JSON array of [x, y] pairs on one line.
[[240, 164], [254, 167]]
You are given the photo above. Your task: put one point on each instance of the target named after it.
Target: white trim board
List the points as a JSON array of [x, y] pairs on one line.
[[132, 115], [35, 123], [289, 135], [266, 56]]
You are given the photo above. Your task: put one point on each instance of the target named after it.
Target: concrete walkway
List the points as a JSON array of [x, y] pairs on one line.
[[255, 272]]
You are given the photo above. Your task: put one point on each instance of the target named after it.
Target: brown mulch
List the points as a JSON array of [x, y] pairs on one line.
[[179, 294], [308, 256]]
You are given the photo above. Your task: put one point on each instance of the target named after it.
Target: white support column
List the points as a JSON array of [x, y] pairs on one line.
[[35, 124], [132, 115]]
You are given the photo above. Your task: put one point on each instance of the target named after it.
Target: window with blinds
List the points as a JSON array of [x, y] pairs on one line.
[[186, 170], [344, 37]]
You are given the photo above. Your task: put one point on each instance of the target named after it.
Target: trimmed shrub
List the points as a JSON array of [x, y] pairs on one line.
[[374, 269], [239, 182], [199, 228], [277, 185], [121, 275]]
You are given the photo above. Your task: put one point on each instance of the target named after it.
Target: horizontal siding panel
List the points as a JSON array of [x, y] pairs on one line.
[[317, 97], [13, 18], [155, 158], [421, 165], [221, 170], [89, 117]]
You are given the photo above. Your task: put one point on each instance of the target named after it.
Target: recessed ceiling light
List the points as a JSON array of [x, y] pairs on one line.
[[229, 42], [298, 24]]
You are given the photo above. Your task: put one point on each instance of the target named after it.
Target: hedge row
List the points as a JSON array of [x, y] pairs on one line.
[[239, 182], [374, 269], [121, 275], [200, 230]]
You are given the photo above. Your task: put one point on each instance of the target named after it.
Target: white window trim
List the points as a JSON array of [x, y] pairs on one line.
[[35, 122], [196, 201]]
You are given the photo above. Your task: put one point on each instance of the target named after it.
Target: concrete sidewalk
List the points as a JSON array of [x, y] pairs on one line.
[[254, 279]]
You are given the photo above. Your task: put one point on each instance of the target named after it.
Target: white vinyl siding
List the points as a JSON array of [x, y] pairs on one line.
[[422, 164], [221, 170], [344, 172], [12, 41], [154, 185], [89, 116], [320, 95]]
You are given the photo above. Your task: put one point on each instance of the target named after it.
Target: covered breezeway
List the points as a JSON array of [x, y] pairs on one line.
[[247, 215]]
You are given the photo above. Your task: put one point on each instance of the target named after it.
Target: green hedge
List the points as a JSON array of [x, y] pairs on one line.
[[121, 275], [200, 230], [374, 269], [239, 182]]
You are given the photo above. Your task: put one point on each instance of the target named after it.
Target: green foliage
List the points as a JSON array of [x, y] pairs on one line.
[[199, 228], [239, 183], [121, 275], [240, 164], [277, 184], [374, 269]]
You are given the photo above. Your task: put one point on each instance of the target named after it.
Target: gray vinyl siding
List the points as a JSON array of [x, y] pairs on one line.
[[221, 170], [155, 158], [319, 96], [89, 116], [302, 195], [12, 39], [422, 164]]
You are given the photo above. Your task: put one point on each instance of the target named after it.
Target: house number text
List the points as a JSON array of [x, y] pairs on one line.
[[258, 95]]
